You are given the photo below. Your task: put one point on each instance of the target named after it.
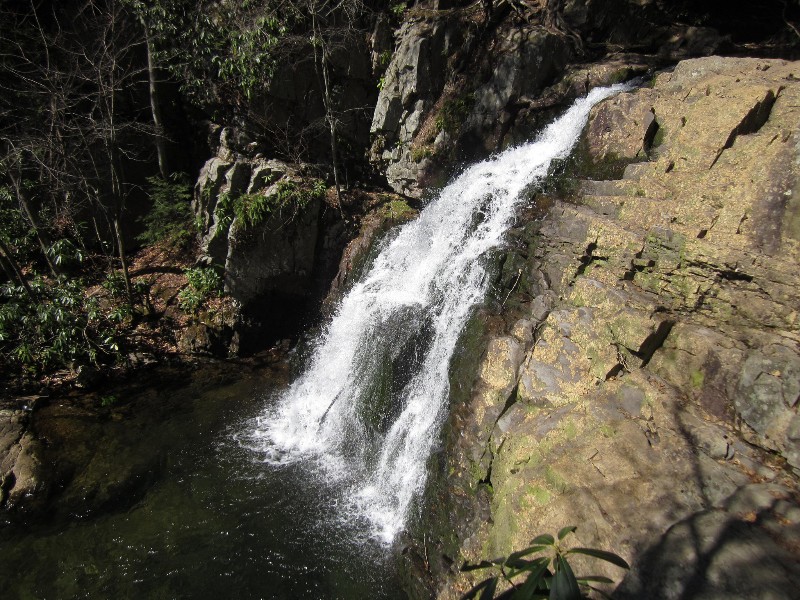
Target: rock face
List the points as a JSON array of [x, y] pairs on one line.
[[262, 222], [461, 84], [645, 387], [422, 106]]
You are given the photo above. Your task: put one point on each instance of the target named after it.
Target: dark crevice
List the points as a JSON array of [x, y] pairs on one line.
[[510, 401], [701, 300], [630, 274], [654, 341], [755, 119], [487, 480], [7, 483], [729, 275], [650, 134], [752, 122]]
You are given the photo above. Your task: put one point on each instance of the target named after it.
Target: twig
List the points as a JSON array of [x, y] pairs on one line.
[[513, 287]]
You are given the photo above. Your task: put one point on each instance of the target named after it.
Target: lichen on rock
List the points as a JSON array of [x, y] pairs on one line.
[[662, 381]]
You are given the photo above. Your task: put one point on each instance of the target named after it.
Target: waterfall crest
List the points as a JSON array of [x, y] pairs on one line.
[[369, 407]]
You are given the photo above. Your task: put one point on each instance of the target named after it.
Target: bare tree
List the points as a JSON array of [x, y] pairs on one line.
[[87, 81]]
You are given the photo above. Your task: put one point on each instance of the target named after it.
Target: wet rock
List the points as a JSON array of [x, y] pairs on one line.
[[392, 211], [196, 339], [23, 485]]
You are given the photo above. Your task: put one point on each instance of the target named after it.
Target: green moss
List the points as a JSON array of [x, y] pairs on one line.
[[658, 138], [570, 430], [420, 153], [607, 430], [539, 494], [377, 398], [555, 480], [399, 210], [454, 112], [464, 365], [565, 175], [620, 76], [506, 518], [696, 378], [648, 281]]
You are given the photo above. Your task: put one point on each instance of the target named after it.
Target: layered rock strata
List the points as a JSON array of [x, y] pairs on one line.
[[648, 392]]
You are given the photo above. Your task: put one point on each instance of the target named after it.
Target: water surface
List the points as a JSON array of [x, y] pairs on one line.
[[215, 520]]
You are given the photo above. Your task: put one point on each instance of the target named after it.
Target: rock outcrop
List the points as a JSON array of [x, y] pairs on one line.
[[463, 83], [264, 224], [646, 386], [20, 460]]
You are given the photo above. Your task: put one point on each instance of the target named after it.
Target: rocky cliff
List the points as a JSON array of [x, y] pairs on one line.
[[469, 80], [642, 382]]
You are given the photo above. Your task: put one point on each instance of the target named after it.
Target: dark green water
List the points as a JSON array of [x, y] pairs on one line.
[[213, 520]]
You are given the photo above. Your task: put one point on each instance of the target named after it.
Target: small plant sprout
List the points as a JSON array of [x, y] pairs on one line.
[[549, 576]]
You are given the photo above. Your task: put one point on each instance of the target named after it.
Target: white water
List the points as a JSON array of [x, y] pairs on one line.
[[369, 406]]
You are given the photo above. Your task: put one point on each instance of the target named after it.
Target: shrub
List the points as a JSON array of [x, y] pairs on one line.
[[58, 327], [204, 283], [170, 218], [252, 210], [548, 576], [421, 152]]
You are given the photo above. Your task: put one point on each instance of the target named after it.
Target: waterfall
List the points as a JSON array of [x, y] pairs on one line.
[[369, 407]]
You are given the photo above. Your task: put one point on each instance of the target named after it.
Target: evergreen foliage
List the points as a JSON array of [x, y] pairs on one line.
[[170, 218], [545, 577], [203, 283], [59, 326], [252, 210]]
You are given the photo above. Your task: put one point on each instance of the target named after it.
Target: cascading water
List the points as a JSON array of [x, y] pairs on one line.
[[370, 404]]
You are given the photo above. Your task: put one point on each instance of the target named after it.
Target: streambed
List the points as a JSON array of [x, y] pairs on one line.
[[208, 518]]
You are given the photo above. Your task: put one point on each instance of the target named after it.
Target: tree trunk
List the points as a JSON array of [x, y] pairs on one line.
[[332, 124], [155, 106], [123, 259], [10, 263], [322, 66], [41, 235]]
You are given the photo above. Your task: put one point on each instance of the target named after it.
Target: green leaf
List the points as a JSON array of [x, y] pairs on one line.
[[524, 552], [488, 592], [596, 578], [566, 531], [544, 539], [534, 582], [602, 555], [564, 585]]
